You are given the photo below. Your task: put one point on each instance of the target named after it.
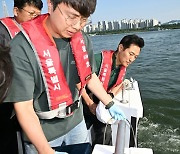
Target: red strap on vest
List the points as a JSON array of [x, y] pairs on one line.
[[81, 58], [105, 70], [11, 26], [49, 61]]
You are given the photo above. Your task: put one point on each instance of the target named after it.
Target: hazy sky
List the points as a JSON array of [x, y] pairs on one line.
[[162, 10]]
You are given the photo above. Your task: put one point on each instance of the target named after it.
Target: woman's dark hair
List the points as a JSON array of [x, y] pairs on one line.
[[22, 3], [132, 39], [6, 70], [84, 7]]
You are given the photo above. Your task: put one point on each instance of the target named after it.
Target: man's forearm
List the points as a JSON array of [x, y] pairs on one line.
[[97, 89], [85, 96], [31, 126]]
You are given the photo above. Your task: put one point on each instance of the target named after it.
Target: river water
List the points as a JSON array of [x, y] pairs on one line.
[[157, 71]]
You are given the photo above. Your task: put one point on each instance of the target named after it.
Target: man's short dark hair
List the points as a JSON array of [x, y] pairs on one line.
[[22, 3], [84, 7], [132, 39]]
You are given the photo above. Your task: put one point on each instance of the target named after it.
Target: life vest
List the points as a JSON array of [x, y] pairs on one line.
[[11, 25], [48, 57], [105, 70]]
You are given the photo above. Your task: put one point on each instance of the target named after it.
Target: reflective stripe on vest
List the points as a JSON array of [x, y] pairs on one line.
[[12, 27], [48, 57], [105, 70]]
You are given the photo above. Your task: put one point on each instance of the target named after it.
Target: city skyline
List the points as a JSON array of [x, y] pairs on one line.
[[120, 25], [161, 10]]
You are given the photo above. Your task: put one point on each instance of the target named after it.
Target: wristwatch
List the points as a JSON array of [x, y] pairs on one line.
[[109, 105]]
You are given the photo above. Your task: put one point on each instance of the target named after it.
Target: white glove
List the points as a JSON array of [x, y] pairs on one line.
[[103, 114]]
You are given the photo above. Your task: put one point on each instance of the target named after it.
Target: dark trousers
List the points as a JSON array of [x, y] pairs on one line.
[[99, 128], [8, 138]]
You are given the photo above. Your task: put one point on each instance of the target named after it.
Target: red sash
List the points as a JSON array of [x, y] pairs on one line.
[[11, 26], [49, 61], [81, 58], [105, 70]]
